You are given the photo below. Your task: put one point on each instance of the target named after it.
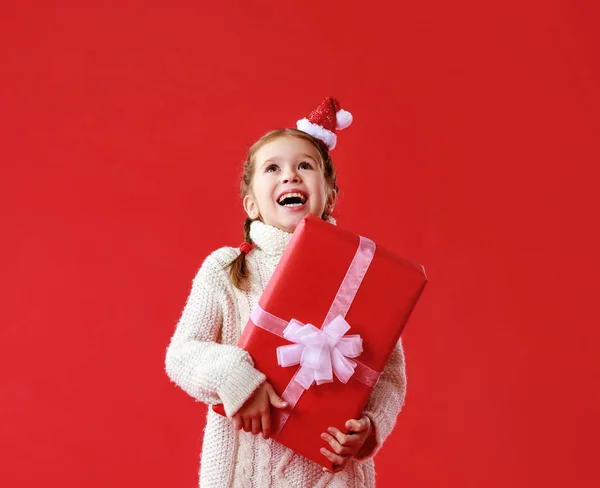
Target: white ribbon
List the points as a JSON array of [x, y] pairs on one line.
[[320, 352]]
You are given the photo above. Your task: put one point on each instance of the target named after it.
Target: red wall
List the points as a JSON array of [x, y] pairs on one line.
[[123, 129]]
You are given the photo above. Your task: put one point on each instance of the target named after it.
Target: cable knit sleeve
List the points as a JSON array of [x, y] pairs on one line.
[[386, 401], [207, 370]]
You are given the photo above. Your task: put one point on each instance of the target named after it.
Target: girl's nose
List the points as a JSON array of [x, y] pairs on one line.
[[291, 178]]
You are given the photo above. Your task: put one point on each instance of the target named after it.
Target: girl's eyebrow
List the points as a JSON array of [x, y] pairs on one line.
[[308, 156], [276, 159]]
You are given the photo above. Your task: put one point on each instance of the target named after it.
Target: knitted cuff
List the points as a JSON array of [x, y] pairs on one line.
[[240, 384]]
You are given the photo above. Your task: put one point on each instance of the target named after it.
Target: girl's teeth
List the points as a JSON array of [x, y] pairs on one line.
[[289, 195]]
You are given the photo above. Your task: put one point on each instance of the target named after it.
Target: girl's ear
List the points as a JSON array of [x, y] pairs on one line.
[[331, 201], [250, 207]]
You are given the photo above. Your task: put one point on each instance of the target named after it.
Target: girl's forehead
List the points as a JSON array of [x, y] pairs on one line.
[[286, 147]]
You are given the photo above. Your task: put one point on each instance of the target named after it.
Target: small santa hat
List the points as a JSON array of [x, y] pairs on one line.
[[325, 120]]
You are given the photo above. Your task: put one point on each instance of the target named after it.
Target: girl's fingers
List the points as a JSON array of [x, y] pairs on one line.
[[256, 428], [336, 446], [334, 458], [347, 440], [266, 425], [274, 398], [359, 425], [247, 424], [238, 423]]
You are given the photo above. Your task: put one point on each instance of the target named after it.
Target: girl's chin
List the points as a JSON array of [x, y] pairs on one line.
[[288, 223], [289, 220]]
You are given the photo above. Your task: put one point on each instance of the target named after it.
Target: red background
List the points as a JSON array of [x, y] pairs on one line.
[[123, 130]]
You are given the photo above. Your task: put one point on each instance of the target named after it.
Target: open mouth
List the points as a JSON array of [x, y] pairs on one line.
[[292, 200]]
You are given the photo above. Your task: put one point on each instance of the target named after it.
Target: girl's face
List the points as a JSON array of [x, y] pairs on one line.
[[288, 184]]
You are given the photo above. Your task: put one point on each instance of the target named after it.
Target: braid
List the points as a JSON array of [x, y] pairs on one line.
[[247, 224], [238, 269]]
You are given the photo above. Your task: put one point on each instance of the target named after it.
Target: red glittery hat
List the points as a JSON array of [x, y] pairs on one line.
[[325, 120]]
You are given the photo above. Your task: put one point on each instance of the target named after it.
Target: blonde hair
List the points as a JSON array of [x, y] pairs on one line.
[[238, 269]]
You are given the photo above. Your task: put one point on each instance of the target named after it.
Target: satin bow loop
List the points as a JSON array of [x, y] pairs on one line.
[[320, 352]]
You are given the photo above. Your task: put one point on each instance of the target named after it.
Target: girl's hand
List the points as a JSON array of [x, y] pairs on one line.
[[255, 415], [345, 446]]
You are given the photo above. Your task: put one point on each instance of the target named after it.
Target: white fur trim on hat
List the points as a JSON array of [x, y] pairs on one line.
[[328, 137], [343, 119]]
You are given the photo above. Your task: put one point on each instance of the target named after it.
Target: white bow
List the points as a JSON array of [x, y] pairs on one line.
[[320, 352]]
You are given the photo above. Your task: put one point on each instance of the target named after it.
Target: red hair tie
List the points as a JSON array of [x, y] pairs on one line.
[[246, 247]]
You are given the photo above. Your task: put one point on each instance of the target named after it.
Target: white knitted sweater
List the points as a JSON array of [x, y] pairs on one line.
[[203, 360]]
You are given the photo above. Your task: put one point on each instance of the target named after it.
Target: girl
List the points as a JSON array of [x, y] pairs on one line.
[[287, 175]]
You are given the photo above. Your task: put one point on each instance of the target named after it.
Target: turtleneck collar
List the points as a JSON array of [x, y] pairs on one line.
[[269, 239]]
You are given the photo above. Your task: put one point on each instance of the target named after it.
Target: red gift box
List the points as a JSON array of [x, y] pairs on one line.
[[324, 272]]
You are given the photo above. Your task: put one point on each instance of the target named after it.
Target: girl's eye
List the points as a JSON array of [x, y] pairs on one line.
[[305, 165], [271, 168]]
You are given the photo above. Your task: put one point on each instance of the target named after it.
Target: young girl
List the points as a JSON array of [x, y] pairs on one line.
[[287, 175]]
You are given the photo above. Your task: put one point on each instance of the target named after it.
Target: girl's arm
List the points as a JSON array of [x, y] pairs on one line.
[[208, 371], [386, 401]]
